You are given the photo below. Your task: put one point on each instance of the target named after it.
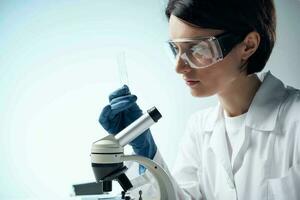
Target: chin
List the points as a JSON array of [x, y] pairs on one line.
[[200, 93]]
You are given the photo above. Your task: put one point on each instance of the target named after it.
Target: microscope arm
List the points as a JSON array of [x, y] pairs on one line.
[[163, 179]]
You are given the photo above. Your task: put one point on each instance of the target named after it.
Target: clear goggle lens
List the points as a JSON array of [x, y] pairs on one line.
[[196, 53]]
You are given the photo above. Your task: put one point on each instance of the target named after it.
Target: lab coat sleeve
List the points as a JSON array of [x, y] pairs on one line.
[[186, 173]]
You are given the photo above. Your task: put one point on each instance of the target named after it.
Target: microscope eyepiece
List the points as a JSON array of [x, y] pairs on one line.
[[154, 114]]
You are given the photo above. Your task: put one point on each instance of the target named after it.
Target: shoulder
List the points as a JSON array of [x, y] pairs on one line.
[[289, 115], [289, 118], [202, 114], [290, 108], [198, 119]]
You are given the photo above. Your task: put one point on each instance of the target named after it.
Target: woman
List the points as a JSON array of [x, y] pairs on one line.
[[248, 146]]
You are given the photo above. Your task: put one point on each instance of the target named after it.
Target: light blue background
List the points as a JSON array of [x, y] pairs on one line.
[[57, 67]]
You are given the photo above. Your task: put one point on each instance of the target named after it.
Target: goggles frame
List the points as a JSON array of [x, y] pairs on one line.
[[224, 43]]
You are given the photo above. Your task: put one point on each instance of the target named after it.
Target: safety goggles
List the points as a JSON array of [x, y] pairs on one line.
[[201, 52]]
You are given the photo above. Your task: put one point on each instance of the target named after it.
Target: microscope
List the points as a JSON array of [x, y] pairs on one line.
[[107, 157]]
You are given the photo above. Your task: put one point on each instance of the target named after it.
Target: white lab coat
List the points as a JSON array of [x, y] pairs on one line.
[[267, 165]]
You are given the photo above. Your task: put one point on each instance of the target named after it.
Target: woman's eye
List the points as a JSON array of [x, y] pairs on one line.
[[174, 49]]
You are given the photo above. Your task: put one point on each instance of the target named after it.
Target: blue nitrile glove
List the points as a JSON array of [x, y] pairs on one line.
[[122, 111]]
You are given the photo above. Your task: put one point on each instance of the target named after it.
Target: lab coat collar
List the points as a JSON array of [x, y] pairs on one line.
[[264, 109]]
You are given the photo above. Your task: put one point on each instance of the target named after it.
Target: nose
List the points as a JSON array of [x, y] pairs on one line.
[[182, 66]]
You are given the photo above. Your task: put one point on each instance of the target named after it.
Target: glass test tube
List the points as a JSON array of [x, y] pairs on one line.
[[122, 68]]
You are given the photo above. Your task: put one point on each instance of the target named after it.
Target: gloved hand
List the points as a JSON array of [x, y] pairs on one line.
[[122, 111]]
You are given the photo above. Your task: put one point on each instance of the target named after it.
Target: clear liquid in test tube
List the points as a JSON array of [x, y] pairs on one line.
[[122, 68]]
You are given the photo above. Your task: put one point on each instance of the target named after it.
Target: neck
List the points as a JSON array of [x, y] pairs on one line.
[[238, 95]]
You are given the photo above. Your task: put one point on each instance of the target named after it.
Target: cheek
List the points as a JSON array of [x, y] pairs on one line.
[[210, 81], [216, 77], [229, 68], [213, 75]]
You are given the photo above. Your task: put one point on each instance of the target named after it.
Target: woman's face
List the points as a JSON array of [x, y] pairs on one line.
[[210, 80]]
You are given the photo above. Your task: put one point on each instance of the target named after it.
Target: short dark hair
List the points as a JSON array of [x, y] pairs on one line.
[[237, 16]]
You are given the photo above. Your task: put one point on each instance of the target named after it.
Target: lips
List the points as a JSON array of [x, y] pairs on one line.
[[191, 82]]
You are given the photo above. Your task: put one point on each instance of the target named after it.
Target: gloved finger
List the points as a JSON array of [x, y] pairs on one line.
[[130, 98], [104, 116], [122, 103], [110, 125], [135, 109], [119, 92]]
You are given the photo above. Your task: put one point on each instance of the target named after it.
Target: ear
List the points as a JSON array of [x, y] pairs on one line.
[[250, 45]]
